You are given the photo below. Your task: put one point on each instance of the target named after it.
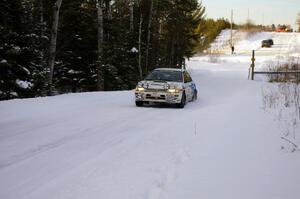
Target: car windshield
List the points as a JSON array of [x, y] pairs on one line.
[[165, 75]]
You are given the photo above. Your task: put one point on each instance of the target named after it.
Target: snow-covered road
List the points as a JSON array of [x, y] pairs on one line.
[[285, 44], [100, 146]]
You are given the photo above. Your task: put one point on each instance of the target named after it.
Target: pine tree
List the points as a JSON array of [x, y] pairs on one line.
[[20, 50], [165, 32]]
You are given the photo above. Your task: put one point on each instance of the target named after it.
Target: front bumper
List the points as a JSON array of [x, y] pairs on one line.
[[158, 96]]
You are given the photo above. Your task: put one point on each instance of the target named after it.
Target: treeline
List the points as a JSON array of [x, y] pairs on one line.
[[209, 30], [98, 44], [252, 27]]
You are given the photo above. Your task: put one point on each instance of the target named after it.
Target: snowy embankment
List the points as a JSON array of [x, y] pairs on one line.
[[99, 145], [285, 44]]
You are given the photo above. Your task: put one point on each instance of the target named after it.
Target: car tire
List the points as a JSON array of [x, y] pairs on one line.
[[139, 103], [182, 102], [195, 96]]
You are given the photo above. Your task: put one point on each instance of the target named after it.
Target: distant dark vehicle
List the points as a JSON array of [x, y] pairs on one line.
[[266, 43], [271, 41]]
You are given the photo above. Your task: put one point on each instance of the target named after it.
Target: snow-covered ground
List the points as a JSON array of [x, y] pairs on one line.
[[285, 44], [100, 146]]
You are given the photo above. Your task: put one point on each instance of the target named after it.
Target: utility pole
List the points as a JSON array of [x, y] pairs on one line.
[[263, 21], [248, 13], [248, 20], [231, 43]]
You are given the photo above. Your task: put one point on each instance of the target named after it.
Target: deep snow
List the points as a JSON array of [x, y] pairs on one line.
[[99, 145]]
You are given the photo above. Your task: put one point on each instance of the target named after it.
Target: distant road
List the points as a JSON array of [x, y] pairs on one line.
[[244, 43]]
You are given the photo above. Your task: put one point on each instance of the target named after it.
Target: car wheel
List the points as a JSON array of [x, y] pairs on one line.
[[139, 103], [182, 102], [195, 96]]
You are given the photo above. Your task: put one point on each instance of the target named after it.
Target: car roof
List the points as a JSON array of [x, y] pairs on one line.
[[170, 69]]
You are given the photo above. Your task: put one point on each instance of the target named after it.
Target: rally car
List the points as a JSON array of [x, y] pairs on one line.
[[166, 85]]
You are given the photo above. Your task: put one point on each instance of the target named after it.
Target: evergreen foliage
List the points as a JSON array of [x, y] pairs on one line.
[[177, 31], [21, 70], [209, 30]]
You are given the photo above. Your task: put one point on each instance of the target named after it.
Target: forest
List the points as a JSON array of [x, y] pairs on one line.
[[49, 47]]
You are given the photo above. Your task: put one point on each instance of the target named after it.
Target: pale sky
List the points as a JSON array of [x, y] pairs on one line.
[[265, 12]]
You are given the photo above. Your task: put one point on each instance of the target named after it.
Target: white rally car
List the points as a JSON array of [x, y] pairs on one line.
[[166, 85]]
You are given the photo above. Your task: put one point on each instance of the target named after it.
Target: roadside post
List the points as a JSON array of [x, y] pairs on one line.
[[252, 64]]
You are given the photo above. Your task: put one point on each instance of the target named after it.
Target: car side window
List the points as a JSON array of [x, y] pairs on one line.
[[187, 77]]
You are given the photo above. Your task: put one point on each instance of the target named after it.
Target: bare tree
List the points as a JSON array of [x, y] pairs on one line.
[[131, 6], [41, 12], [43, 50], [108, 11], [100, 78], [52, 48], [140, 48], [149, 35]]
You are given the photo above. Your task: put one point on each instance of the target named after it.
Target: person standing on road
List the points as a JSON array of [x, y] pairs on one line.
[[232, 49]]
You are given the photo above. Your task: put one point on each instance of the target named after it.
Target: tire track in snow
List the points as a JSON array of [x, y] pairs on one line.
[[167, 174], [66, 139]]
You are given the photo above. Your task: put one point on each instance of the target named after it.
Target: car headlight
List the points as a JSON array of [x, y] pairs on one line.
[[140, 89], [173, 90]]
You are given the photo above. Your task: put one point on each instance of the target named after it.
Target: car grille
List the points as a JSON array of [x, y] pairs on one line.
[[156, 90], [159, 97]]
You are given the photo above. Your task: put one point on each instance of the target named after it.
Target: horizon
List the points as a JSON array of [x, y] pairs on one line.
[[265, 12]]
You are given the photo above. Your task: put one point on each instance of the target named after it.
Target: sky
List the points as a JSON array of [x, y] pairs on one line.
[[265, 12]]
